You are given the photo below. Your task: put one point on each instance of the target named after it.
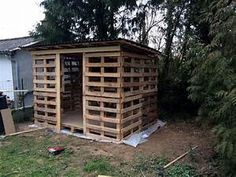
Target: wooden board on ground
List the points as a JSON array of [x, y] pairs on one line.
[[8, 121]]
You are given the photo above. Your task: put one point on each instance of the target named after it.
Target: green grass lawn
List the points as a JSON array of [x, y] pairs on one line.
[[27, 155]]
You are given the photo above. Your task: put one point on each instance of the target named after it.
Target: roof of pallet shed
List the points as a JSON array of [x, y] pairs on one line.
[[92, 43]]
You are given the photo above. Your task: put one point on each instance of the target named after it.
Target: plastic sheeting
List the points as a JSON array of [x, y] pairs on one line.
[[139, 138], [134, 140]]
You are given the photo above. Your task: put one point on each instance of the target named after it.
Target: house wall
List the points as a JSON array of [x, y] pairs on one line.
[[6, 78], [22, 69]]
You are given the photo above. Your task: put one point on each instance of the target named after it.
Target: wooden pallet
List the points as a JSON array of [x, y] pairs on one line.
[[115, 89], [45, 123], [102, 95], [44, 75], [120, 94]]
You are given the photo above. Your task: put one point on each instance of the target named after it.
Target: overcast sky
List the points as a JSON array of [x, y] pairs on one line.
[[18, 17]]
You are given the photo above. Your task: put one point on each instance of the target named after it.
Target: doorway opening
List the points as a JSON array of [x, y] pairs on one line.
[[72, 91]]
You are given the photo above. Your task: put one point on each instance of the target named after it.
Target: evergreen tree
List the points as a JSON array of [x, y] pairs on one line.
[[213, 81], [77, 20]]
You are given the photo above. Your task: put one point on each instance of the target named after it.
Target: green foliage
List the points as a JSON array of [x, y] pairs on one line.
[[181, 171], [78, 20], [100, 166], [150, 164], [153, 166], [172, 93], [213, 81]]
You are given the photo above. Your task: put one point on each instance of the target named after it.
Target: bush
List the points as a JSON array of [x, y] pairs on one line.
[[213, 81]]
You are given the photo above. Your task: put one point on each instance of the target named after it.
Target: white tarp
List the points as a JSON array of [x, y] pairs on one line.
[[138, 138]]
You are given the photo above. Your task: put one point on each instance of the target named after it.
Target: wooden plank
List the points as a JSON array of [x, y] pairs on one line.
[[121, 92], [105, 119], [132, 84], [26, 131], [112, 130], [103, 65], [39, 57], [84, 107], [102, 99], [131, 117], [45, 102], [44, 65], [44, 89], [102, 75], [103, 54], [45, 94], [36, 108], [131, 98], [44, 118], [132, 74], [96, 108], [103, 138], [131, 93], [129, 54], [58, 92], [78, 50], [8, 121], [133, 125], [44, 73], [108, 95], [44, 81], [103, 84]]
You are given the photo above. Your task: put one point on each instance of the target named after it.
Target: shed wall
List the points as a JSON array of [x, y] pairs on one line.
[[102, 92], [119, 91]]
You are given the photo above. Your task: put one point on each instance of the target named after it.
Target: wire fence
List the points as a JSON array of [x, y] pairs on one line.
[[17, 98]]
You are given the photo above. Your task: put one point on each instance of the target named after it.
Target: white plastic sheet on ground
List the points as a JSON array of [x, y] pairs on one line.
[[33, 126], [134, 140], [138, 138]]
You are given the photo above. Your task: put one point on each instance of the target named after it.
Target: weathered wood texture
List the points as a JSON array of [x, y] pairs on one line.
[[139, 92], [120, 94], [102, 88], [115, 90], [45, 92]]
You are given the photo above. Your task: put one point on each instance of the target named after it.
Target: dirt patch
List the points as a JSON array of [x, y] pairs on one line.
[[170, 141], [23, 126]]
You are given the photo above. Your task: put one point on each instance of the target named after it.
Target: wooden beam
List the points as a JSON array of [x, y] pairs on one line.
[[83, 93], [58, 92], [25, 131], [78, 50]]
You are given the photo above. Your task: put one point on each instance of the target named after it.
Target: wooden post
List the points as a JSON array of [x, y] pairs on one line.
[[84, 60], [58, 92]]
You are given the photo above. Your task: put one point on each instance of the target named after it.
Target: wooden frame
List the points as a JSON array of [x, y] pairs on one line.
[[119, 90]]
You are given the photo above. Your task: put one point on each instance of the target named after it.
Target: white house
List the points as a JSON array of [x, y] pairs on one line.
[[16, 67]]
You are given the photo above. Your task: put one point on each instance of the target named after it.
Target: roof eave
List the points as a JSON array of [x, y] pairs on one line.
[[6, 52]]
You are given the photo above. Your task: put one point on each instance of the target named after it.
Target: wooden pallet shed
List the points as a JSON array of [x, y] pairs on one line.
[[106, 89]]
